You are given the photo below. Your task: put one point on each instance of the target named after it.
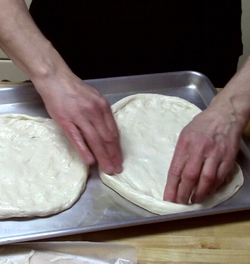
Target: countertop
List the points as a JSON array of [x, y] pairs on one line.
[[221, 238]]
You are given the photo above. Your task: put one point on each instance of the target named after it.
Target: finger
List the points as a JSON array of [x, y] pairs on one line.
[[101, 117], [78, 142], [174, 175], [225, 173], [189, 178], [102, 134], [98, 112], [114, 148], [100, 149], [109, 120], [206, 181], [114, 156]]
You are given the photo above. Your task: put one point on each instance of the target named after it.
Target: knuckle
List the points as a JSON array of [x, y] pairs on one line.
[[103, 103], [89, 106], [199, 142], [208, 177], [175, 169], [204, 144], [190, 176], [95, 107], [92, 138], [222, 149], [109, 137], [185, 138]]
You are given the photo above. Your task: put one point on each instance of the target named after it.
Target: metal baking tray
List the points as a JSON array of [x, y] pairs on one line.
[[99, 207]]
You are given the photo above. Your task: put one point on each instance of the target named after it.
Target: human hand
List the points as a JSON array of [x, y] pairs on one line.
[[83, 114], [86, 118], [204, 156]]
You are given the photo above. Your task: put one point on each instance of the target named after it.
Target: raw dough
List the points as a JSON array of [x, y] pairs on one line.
[[67, 253], [149, 126], [22, 255], [41, 172]]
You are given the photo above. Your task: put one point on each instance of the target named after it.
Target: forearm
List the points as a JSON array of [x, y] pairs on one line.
[[23, 42], [235, 97], [82, 112]]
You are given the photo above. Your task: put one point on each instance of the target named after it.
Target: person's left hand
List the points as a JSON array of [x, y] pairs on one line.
[[86, 118], [203, 157]]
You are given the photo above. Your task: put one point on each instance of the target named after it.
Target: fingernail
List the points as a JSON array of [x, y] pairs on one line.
[[196, 200], [109, 170], [113, 170], [118, 169], [90, 160]]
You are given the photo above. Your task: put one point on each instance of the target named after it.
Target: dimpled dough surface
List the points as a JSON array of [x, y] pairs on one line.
[[149, 126], [40, 171]]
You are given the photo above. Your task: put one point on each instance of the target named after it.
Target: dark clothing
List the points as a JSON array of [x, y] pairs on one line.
[[116, 38]]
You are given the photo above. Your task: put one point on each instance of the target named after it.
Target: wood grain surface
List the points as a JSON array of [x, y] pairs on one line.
[[223, 238]]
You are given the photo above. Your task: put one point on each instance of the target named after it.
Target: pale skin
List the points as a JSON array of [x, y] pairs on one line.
[[208, 145], [206, 148]]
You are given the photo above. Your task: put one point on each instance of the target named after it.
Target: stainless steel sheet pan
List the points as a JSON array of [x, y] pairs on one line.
[[100, 208]]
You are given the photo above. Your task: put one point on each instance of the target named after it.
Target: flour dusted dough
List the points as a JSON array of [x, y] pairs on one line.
[[40, 171], [149, 126], [15, 254]]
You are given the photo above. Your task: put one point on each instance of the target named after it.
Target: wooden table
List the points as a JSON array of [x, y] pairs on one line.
[[223, 238]]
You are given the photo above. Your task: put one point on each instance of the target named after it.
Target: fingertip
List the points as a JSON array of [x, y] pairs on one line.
[[198, 199], [166, 199], [195, 200], [108, 169], [168, 196], [165, 196], [89, 159], [118, 169], [111, 170]]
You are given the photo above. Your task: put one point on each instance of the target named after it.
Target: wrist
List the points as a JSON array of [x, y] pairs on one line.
[[233, 108]]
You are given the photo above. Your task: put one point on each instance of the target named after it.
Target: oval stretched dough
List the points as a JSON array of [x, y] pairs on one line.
[[149, 126], [41, 173]]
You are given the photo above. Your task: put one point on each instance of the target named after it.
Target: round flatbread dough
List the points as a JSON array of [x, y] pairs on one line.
[[22, 254], [41, 172], [149, 126]]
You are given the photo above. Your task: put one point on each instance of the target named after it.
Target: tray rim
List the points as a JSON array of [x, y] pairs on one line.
[[147, 220]]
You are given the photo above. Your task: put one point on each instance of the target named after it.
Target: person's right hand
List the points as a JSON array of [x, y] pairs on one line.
[[83, 114], [86, 118]]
